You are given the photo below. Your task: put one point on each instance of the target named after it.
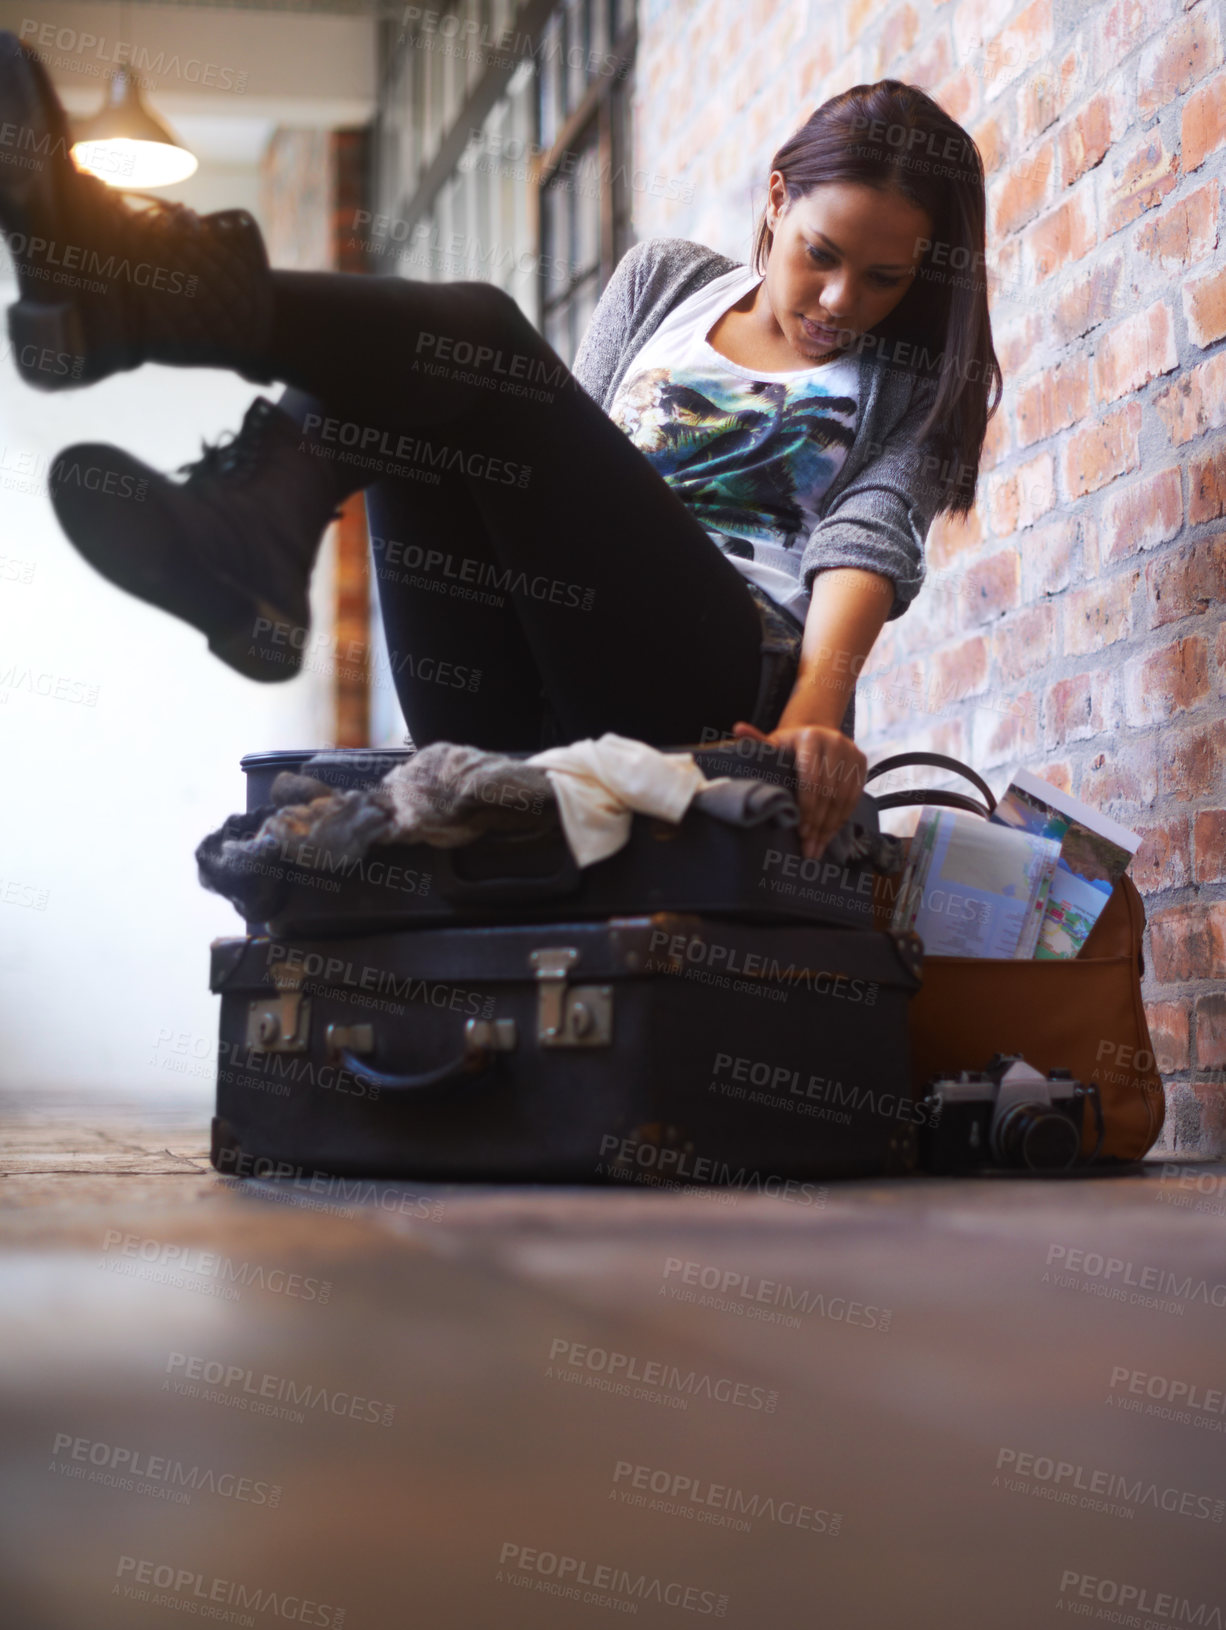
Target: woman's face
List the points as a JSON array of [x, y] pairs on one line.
[[842, 257]]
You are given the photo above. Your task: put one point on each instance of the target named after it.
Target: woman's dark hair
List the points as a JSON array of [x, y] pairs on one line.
[[894, 138]]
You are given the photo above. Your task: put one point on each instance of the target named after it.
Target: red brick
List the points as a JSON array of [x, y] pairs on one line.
[[1182, 945], [1142, 514], [1202, 128], [1183, 233], [1190, 762], [1117, 29], [1057, 772], [1140, 178], [1188, 583], [1018, 337], [1206, 488], [928, 66], [1048, 93], [1167, 681], [1005, 735], [1096, 455], [936, 615], [1195, 402], [859, 15], [897, 696], [1204, 304], [944, 736], [1098, 615], [1089, 298], [1010, 51], [896, 37], [1053, 400], [1210, 1032], [1061, 237], [1024, 188], [958, 94], [993, 143], [1169, 1033], [1163, 860], [1024, 643], [997, 442], [813, 58], [958, 673], [1200, 1122], [974, 23], [991, 587], [1049, 558], [951, 536], [1135, 351], [1209, 845], [1120, 783], [1077, 709], [1017, 499], [1183, 54], [1084, 141]]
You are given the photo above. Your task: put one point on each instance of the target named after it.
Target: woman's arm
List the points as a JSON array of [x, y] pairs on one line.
[[847, 609]]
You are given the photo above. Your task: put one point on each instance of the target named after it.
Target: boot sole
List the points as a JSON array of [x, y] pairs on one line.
[[100, 528], [37, 327]]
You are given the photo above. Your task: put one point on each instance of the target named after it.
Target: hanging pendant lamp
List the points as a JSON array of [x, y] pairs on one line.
[[126, 145]]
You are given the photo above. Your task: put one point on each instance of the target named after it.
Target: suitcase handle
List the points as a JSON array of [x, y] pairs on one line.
[[931, 795], [453, 886], [483, 1038]]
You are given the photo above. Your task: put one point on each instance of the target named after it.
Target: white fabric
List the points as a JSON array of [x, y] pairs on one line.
[[600, 784]]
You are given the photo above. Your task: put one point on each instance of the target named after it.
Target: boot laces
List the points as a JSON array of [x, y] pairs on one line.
[[234, 453]]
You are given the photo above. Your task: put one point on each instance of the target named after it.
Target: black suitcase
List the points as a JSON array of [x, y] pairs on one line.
[[699, 864], [663, 1049]]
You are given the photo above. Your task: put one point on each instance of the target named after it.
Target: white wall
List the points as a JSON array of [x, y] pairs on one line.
[[104, 929], [106, 802]]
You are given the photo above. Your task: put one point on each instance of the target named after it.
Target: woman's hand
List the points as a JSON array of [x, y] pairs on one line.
[[830, 771]]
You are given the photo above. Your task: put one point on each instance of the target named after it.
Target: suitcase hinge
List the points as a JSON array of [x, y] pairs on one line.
[[280, 1023], [570, 1015]]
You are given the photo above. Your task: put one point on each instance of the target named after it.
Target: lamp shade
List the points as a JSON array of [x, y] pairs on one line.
[[126, 145]]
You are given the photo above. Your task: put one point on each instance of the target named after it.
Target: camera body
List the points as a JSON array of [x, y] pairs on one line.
[[1006, 1115]]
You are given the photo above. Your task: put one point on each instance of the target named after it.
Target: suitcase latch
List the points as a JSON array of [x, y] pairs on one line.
[[570, 1015], [280, 1023]]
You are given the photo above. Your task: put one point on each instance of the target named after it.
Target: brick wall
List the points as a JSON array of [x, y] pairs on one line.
[[1073, 623]]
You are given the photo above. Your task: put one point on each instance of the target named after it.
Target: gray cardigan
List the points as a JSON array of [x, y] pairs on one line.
[[877, 510]]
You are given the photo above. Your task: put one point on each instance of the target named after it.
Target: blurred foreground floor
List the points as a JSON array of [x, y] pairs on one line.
[[994, 1404]]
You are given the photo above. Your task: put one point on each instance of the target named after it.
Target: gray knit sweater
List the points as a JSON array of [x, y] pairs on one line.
[[877, 510]]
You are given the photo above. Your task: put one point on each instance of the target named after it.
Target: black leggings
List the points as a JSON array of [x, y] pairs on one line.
[[538, 579]]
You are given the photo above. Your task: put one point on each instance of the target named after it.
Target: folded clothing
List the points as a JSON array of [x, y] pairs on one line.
[[448, 795]]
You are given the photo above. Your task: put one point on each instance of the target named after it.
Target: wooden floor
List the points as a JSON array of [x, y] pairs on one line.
[[914, 1403]]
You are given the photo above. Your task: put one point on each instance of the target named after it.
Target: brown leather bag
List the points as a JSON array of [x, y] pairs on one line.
[[1083, 1013]]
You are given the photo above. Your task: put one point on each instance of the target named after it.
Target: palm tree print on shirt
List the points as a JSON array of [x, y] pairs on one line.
[[751, 458]]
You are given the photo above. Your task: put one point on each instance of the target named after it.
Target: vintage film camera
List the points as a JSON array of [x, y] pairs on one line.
[[1007, 1114]]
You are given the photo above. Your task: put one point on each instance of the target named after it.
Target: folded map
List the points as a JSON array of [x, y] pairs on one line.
[[1094, 852], [971, 888]]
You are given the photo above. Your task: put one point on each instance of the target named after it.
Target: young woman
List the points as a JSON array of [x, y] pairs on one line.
[[699, 531]]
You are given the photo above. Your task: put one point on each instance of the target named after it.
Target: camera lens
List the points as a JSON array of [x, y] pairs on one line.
[[1037, 1136]]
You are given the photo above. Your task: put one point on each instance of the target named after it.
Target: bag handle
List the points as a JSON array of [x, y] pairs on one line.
[[483, 1039], [932, 795]]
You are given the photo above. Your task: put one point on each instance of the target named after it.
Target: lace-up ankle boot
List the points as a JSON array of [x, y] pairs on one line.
[[103, 285], [230, 549]]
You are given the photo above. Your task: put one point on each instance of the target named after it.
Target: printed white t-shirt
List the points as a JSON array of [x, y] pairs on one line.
[[751, 453]]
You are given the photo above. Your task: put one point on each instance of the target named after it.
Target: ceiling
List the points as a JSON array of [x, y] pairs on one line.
[[224, 77]]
